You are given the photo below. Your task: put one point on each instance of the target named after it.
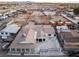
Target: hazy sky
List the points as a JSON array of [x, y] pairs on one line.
[[70, 1]]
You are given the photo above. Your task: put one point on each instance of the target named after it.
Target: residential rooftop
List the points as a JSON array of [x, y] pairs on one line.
[[29, 34], [71, 39]]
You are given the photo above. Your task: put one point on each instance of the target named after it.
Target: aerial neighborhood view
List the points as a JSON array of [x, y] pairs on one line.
[[39, 29]]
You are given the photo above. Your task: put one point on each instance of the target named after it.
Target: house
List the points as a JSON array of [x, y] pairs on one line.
[[9, 30], [62, 28], [70, 19], [49, 13], [70, 39], [37, 13], [29, 36]]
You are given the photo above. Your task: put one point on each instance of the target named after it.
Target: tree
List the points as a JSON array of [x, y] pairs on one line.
[[76, 11]]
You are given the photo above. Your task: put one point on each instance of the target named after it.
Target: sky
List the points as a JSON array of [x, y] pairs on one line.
[[53, 1]]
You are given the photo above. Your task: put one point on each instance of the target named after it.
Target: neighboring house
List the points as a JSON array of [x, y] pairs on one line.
[[8, 30], [50, 13], [62, 28], [70, 19], [70, 38]]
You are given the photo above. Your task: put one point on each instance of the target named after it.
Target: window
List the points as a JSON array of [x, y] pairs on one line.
[[54, 34], [18, 50], [36, 39], [13, 49], [6, 33], [77, 22], [27, 49], [43, 39], [49, 34], [11, 34], [1, 32], [23, 50], [40, 40]]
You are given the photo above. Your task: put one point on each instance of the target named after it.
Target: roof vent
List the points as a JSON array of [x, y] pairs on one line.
[[23, 35]]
